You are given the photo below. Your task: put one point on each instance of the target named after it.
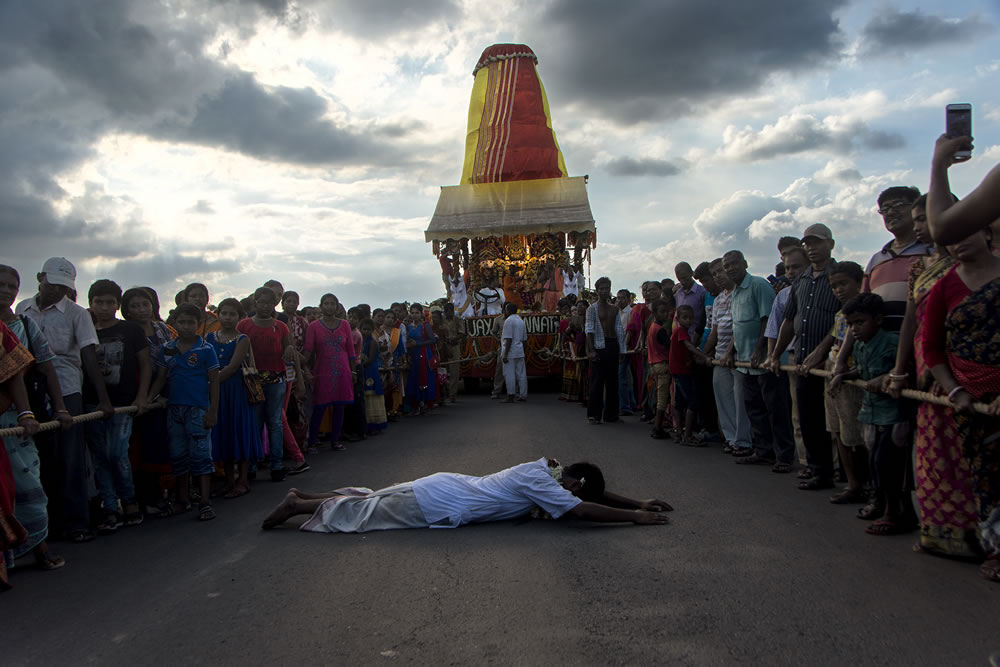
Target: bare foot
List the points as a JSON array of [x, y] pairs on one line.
[[280, 514]]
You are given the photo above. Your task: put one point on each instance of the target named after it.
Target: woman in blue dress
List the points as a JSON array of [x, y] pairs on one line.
[[421, 385], [236, 437]]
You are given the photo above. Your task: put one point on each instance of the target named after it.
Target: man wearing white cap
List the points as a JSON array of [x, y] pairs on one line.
[[73, 339]]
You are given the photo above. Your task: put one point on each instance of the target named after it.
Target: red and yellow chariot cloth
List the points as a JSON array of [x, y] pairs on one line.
[[510, 135]]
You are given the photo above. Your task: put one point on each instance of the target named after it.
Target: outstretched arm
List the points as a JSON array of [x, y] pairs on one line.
[[604, 514], [650, 505]]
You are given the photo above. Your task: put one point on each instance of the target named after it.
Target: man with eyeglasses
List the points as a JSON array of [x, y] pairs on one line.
[[888, 271]]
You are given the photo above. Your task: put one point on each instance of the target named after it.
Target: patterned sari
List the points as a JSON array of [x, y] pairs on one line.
[[973, 329], [943, 480]]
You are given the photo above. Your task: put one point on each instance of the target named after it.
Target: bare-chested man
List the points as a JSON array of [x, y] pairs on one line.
[[605, 345]]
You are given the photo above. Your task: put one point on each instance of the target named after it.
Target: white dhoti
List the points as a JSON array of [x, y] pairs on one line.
[[359, 510]]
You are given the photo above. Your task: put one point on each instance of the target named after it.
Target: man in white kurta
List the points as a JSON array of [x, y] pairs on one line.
[[512, 340], [449, 500]]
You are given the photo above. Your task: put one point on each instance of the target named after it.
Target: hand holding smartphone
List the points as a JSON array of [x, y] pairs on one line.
[[958, 123]]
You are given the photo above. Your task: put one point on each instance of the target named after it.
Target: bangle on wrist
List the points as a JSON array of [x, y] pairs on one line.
[[954, 392], [62, 412], [901, 376], [26, 414]]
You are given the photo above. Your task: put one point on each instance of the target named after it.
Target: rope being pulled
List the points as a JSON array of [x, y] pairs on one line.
[[17, 431], [924, 396], [913, 394]]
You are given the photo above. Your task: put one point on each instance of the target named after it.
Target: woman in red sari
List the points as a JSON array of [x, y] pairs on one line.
[[14, 361], [961, 346], [943, 481]]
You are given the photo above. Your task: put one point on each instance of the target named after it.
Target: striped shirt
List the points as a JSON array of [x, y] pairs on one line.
[[722, 322], [888, 275], [592, 325], [811, 308]]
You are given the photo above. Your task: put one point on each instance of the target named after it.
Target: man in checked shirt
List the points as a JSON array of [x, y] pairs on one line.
[[808, 317]]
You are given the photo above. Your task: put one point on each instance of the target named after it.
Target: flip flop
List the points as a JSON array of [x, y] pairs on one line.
[[50, 562]]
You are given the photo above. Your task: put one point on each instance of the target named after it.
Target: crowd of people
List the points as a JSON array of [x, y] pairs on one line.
[[220, 391]]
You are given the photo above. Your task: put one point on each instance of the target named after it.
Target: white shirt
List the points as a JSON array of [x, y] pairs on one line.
[[448, 499], [571, 285], [491, 300], [513, 328], [68, 327], [460, 298]]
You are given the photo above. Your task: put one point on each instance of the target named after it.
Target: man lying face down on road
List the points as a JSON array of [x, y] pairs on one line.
[[449, 500]]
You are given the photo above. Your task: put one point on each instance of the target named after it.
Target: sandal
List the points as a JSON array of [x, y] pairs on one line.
[[205, 512], [990, 569], [781, 467], [849, 497], [886, 527], [742, 452], [871, 511], [806, 473], [754, 460], [815, 484], [237, 491], [80, 536], [728, 449], [49, 562], [223, 492], [112, 522], [180, 508]]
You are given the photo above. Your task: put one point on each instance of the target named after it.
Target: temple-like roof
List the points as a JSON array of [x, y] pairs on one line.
[[511, 208]]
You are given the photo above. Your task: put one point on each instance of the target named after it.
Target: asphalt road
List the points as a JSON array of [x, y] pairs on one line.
[[750, 571]]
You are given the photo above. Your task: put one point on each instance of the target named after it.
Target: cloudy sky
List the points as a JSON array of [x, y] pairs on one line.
[[234, 141]]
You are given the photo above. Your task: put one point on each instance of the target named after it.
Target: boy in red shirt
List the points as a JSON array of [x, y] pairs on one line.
[[681, 352], [658, 354]]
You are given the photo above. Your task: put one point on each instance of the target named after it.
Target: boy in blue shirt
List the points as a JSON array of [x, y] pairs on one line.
[[190, 369], [886, 428]]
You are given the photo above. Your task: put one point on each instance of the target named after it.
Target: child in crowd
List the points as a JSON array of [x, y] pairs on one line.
[[150, 445], [123, 357], [355, 423], [658, 353], [886, 428], [421, 387], [394, 361], [189, 368], [371, 364], [329, 350], [681, 352], [197, 295], [272, 347], [842, 411], [236, 440]]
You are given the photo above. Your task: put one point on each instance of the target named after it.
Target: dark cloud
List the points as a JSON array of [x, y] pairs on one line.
[[883, 141], [280, 124], [203, 206], [892, 31], [166, 267], [376, 19], [629, 166], [802, 133], [637, 61]]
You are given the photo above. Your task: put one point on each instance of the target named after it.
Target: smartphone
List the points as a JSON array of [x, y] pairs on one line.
[[958, 123]]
